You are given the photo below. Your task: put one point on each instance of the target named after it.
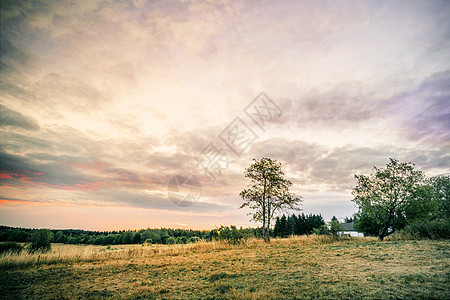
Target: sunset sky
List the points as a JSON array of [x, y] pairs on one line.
[[103, 102]]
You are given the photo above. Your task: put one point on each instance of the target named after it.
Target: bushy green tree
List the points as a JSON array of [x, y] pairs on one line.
[[231, 234], [60, 237], [126, 237], [384, 195], [441, 196], [170, 240], [41, 240], [321, 230], [335, 227]]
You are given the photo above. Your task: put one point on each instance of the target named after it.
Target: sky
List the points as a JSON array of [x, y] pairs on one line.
[[135, 114]]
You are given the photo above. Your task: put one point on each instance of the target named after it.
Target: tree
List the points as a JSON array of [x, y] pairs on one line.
[[40, 240], [383, 196], [283, 227], [428, 214], [335, 227], [313, 222], [441, 195], [268, 192], [60, 237], [291, 224], [277, 228], [348, 220], [126, 237], [301, 226]]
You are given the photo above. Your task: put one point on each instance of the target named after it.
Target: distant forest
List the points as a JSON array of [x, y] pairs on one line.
[[301, 224]]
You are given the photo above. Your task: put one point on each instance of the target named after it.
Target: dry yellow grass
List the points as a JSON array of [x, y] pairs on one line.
[[298, 267], [62, 253]]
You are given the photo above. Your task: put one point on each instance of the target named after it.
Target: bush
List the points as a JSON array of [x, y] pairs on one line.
[[12, 247], [335, 228], [322, 230], [436, 229], [40, 241], [231, 235]]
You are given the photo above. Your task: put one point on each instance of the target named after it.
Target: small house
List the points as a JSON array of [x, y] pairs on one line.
[[349, 230]]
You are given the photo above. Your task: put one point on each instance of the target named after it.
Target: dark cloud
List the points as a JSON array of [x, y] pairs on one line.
[[429, 103], [23, 171], [337, 168], [18, 143], [11, 118], [339, 106]]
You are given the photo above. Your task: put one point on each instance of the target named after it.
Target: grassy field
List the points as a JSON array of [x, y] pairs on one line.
[[294, 268]]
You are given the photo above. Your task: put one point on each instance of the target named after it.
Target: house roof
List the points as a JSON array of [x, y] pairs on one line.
[[347, 226]]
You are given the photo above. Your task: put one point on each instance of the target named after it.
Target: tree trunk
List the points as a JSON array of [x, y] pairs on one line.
[[268, 220], [384, 232], [264, 209]]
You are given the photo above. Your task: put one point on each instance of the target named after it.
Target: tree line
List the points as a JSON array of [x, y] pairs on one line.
[[71, 236], [297, 225], [149, 236]]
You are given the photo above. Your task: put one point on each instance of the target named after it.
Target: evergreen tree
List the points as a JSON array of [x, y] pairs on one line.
[[277, 229], [283, 227]]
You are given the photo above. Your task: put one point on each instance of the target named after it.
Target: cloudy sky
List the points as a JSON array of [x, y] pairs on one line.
[[104, 102]]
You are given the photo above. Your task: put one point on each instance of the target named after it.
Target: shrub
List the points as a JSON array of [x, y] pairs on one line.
[[322, 230], [12, 247], [335, 228], [231, 234], [436, 229]]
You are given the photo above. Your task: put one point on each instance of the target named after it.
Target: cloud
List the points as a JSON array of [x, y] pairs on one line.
[[423, 112], [298, 155], [15, 119], [104, 101], [20, 171]]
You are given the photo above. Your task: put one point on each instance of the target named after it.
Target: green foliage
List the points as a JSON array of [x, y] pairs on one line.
[[268, 192], [366, 223], [126, 237], [41, 241], [12, 247], [182, 240], [335, 227], [321, 230], [281, 227], [60, 237], [231, 234], [432, 229], [194, 239], [170, 240], [297, 225], [348, 220], [151, 236], [441, 196], [384, 195]]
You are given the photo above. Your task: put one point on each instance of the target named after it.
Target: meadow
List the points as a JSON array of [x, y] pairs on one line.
[[294, 268]]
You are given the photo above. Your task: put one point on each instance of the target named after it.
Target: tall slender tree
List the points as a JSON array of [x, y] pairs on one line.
[[268, 192]]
